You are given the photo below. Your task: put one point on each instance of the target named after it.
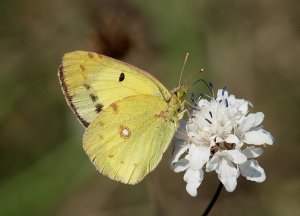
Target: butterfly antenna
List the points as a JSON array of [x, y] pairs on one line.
[[183, 66], [193, 75], [208, 85]]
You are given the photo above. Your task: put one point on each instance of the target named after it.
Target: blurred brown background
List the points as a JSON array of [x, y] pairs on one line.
[[253, 47]]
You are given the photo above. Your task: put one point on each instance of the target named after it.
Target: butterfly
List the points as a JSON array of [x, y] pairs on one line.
[[129, 116]]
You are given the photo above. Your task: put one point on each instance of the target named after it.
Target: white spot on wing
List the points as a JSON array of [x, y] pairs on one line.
[[125, 132]]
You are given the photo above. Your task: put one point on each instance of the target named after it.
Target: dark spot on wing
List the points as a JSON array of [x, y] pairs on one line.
[[87, 86], [121, 77], [114, 107], [82, 67], [93, 97], [99, 108], [68, 96], [91, 55]]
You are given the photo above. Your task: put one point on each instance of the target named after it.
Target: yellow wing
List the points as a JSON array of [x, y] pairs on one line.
[[128, 138], [91, 81]]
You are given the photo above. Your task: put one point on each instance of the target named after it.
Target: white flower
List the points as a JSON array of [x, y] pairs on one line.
[[219, 133]]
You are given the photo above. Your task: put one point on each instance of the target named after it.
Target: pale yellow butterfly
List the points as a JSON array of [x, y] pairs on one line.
[[130, 117]]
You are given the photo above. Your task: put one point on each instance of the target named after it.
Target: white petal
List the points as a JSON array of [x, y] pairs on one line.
[[252, 171], [199, 155], [231, 100], [191, 175], [243, 108], [182, 129], [180, 148], [193, 179], [203, 102], [221, 94], [218, 139], [192, 134], [259, 117], [247, 123], [251, 121], [232, 139], [252, 152], [236, 156], [227, 174], [192, 187], [213, 163], [258, 137], [181, 165]]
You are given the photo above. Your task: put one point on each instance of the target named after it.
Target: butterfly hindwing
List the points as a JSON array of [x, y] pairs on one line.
[[91, 81], [128, 138]]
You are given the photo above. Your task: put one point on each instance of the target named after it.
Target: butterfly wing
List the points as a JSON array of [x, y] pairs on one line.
[[91, 81], [128, 138]]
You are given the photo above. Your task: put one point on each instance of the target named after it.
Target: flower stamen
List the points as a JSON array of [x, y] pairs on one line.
[[225, 146], [226, 102], [208, 121]]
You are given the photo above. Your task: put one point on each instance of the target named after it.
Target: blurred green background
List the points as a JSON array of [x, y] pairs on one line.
[[253, 47]]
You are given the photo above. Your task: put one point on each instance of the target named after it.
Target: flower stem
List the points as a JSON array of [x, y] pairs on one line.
[[214, 199]]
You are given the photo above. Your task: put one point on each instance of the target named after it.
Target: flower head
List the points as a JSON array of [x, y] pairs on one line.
[[222, 137]]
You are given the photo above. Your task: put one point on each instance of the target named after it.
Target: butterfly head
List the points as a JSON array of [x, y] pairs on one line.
[[180, 92], [176, 103]]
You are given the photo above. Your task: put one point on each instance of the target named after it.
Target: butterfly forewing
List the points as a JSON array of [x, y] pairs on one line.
[[91, 81]]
